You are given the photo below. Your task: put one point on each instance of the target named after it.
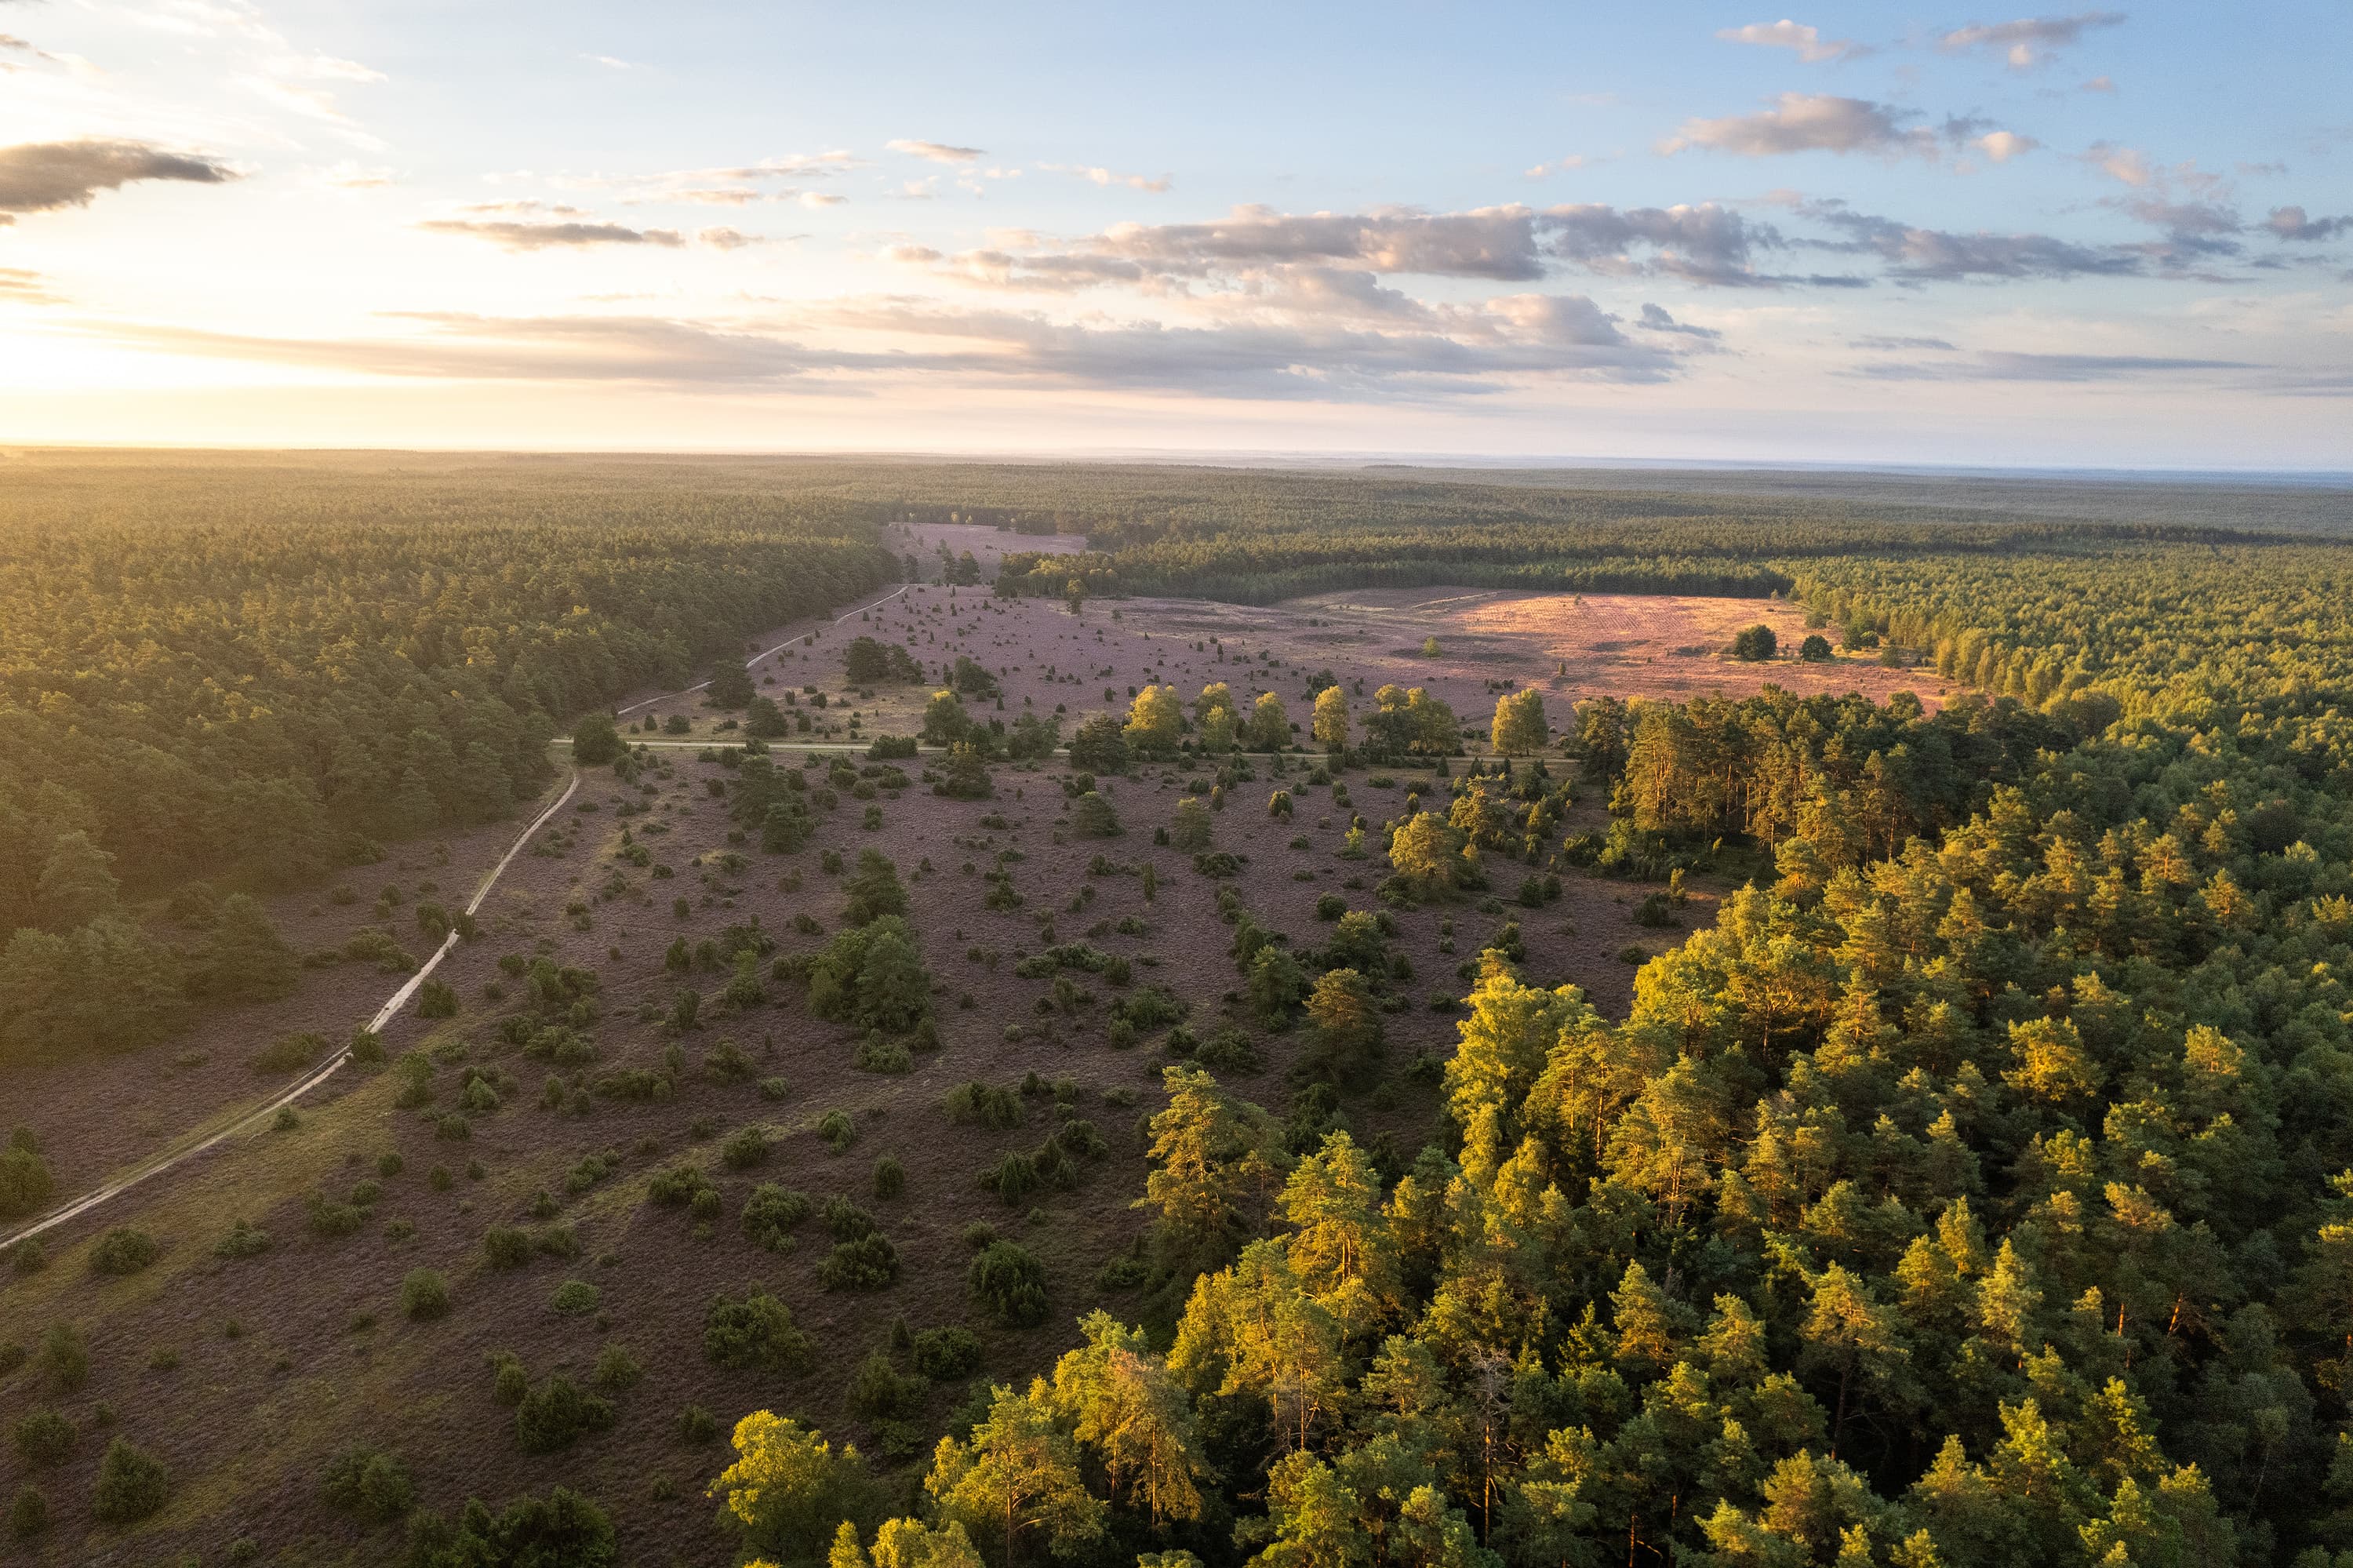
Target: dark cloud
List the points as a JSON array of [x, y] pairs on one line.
[[1931, 255], [1703, 244], [2292, 223], [549, 236], [1655, 319], [2026, 41], [42, 176], [1256, 248], [2009, 366]]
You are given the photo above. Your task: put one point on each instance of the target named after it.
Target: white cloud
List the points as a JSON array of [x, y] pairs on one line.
[[1805, 39], [2001, 146], [1102, 177], [938, 152]]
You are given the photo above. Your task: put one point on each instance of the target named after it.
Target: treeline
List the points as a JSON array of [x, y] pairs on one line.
[[228, 672]]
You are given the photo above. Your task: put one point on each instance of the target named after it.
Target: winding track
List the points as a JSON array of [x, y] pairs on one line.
[[172, 1158]]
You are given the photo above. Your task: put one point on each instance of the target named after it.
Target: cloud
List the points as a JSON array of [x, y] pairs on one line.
[[1807, 41], [1263, 253], [608, 62], [2001, 146], [938, 152], [821, 198], [2099, 84], [350, 176], [1892, 344], [1702, 244], [510, 236], [42, 176], [1655, 319], [2291, 223], [1558, 166], [727, 239], [21, 287], [1826, 123], [2025, 42], [1106, 177], [2063, 368], [1924, 255], [1517, 337]]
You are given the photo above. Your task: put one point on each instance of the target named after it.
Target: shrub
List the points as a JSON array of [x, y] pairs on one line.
[[1013, 1178], [1331, 906], [616, 1369], [1655, 911], [28, 1512], [845, 1221], [435, 1000], [889, 1177], [122, 1250], [745, 1148], [424, 1295], [771, 1213], [368, 1483], [868, 1262], [678, 1185], [1010, 1283], [876, 1392], [509, 1380], [43, 1438], [573, 1297], [64, 1357], [1230, 1051], [696, 1425], [755, 1334], [973, 1102], [1815, 649], [506, 1247], [1755, 642], [943, 1354], [554, 1414], [290, 1053], [838, 1130], [876, 1054], [132, 1484]]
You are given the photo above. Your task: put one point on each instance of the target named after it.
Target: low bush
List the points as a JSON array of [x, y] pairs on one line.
[[755, 1334], [290, 1053], [124, 1250], [1010, 1283], [424, 1295], [43, 1438], [878, 1391], [132, 1484], [745, 1148], [368, 1484], [506, 1247], [984, 1105], [771, 1213], [868, 1262], [555, 1414], [889, 1177], [945, 1354], [838, 1130], [616, 1369]]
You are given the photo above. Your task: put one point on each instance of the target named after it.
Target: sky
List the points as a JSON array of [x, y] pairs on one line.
[[1856, 234]]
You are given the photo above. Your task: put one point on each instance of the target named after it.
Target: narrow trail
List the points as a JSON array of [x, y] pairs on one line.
[[172, 1156]]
